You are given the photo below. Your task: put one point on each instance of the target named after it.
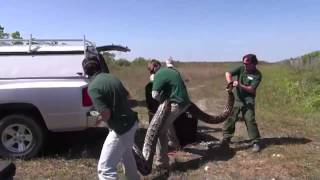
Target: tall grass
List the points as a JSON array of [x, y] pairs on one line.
[[290, 98], [290, 88]]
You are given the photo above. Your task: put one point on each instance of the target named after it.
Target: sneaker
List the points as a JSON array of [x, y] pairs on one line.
[[256, 148]]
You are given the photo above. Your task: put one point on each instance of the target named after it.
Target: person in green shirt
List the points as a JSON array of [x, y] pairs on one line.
[[167, 85], [110, 98], [248, 78]]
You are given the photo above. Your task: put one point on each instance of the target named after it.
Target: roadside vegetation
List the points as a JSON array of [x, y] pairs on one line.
[[5, 35]]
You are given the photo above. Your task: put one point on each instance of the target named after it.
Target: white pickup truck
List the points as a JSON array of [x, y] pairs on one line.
[[43, 89]]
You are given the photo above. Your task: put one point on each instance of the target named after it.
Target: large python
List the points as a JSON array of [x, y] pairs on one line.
[[144, 158]]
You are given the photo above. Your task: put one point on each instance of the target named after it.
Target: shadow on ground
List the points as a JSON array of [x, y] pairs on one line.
[[75, 145], [81, 144], [211, 152], [88, 144], [206, 148], [265, 142], [215, 153]]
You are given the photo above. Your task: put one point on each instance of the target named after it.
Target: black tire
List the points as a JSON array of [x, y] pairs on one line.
[[20, 136]]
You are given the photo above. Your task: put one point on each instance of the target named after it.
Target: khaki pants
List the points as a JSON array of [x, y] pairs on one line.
[[162, 159]]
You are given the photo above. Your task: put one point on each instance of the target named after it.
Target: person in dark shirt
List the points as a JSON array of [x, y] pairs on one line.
[[110, 98], [248, 78], [167, 85]]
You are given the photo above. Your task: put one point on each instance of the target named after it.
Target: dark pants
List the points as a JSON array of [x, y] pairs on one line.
[[248, 113]]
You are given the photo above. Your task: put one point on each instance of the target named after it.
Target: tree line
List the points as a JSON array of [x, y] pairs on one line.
[[111, 59], [7, 35]]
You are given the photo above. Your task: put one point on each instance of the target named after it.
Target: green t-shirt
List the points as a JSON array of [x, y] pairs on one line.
[[168, 82], [107, 91], [248, 79]]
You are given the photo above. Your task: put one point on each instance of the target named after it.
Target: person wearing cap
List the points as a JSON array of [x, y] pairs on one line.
[[173, 141], [167, 85], [109, 97], [247, 80], [153, 104]]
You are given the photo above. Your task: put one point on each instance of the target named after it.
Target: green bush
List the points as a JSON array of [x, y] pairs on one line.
[[290, 89], [310, 58], [140, 61], [122, 62]]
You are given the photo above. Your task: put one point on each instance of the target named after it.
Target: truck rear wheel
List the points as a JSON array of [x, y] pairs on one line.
[[20, 136]]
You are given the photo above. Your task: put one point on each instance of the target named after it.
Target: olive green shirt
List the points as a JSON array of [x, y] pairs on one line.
[[107, 91], [168, 82], [248, 79]]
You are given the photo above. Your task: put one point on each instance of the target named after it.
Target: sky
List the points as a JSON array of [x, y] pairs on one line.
[[187, 30]]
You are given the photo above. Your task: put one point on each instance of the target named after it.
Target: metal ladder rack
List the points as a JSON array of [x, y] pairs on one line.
[[47, 42]]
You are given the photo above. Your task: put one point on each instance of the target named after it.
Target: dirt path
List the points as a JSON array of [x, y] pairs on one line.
[[206, 160]]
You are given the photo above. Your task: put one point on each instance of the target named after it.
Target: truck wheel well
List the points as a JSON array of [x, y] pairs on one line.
[[22, 108]]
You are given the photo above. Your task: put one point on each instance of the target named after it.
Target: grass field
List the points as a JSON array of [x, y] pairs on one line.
[[287, 113]]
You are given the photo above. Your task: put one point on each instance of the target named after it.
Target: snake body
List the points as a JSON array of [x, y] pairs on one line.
[[144, 158]]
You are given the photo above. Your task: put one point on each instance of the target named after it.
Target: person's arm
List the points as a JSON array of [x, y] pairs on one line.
[[234, 72], [249, 89], [252, 87], [228, 77], [99, 102], [157, 86]]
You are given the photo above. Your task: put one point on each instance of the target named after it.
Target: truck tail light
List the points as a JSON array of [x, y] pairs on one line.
[[86, 100]]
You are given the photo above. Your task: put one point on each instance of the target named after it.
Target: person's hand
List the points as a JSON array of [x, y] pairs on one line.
[[235, 84], [99, 120], [102, 119]]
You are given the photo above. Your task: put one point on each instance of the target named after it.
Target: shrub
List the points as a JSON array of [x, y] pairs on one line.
[[140, 61], [122, 62], [288, 88]]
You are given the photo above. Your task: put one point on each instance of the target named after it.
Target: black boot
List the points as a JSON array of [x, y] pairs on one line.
[[225, 143]]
